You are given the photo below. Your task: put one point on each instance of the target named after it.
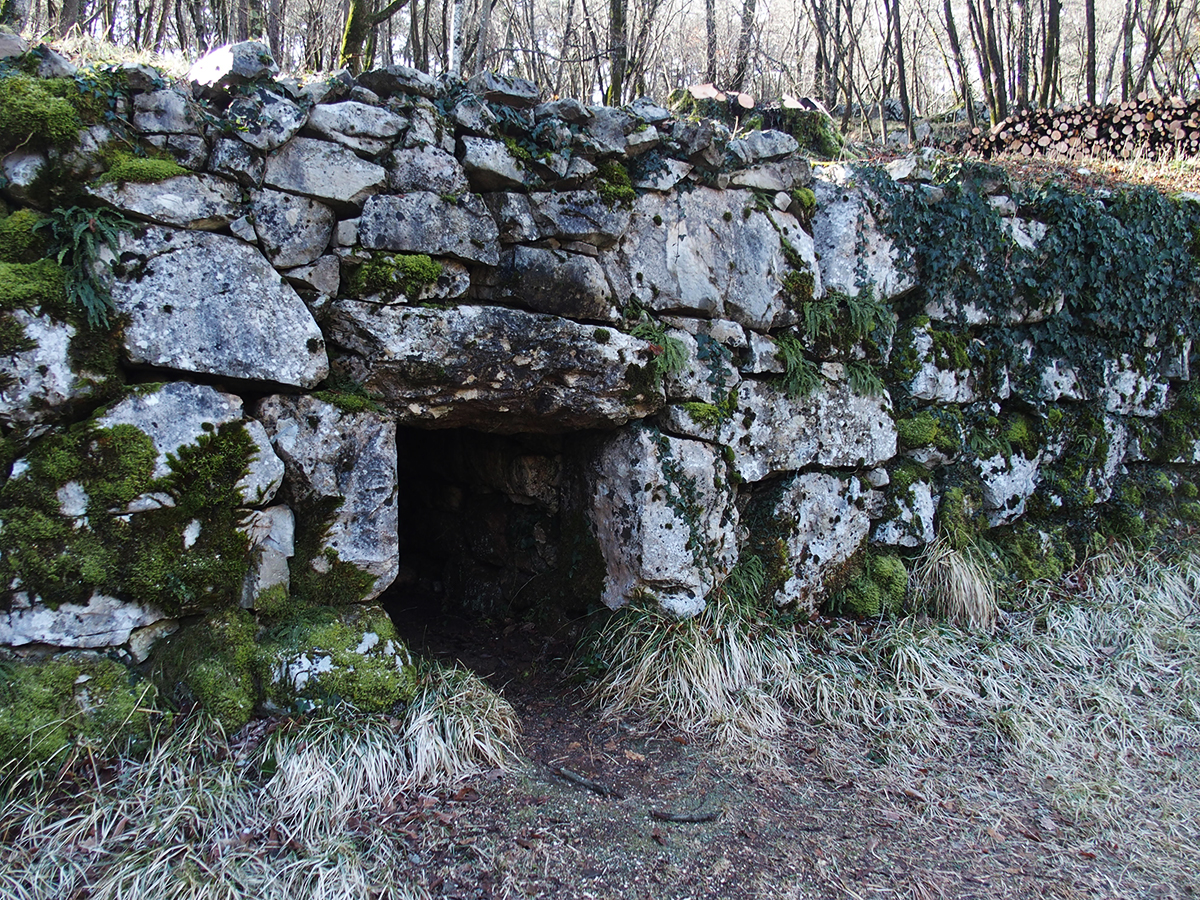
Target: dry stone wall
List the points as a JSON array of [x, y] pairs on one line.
[[398, 330]]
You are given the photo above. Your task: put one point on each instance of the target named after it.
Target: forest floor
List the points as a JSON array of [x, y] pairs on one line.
[[603, 809]]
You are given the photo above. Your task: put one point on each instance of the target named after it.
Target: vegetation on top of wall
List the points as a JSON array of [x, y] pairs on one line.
[[124, 167]]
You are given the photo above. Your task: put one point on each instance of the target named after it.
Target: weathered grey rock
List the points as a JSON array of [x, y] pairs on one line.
[[822, 520], [272, 536], [292, 230], [402, 80], [189, 150], [426, 168], [578, 216], [567, 109], [233, 65], [762, 146], [346, 233], [505, 89], [21, 170], [187, 291], [649, 111], [912, 523], [851, 245], [771, 432], [323, 276], [1007, 484], [12, 44], [774, 176], [83, 161], [1059, 381], [703, 142], [934, 383], [472, 115], [608, 129], [179, 413], [357, 125], [323, 171], [490, 166], [665, 177], [1175, 361], [709, 374], [1131, 392], [494, 369], [696, 252], [641, 140], [198, 202], [37, 384], [140, 78], [422, 222], [243, 229], [763, 356], [101, 622], [235, 160], [142, 641], [556, 282], [54, 65], [513, 216], [265, 120], [427, 128], [335, 455], [915, 168], [579, 170], [663, 513], [165, 112]]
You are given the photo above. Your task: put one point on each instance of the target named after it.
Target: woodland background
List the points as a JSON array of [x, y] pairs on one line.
[[977, 60]]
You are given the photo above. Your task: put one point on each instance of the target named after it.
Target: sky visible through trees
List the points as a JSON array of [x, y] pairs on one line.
[[849, 54]]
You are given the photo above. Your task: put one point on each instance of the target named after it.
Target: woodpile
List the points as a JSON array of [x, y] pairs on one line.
[[1133, 129]]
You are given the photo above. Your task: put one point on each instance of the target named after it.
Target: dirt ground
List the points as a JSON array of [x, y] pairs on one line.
[[607, 810]]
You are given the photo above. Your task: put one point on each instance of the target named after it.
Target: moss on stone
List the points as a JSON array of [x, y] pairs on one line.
[[877, 586], [214, 663], [48, 705], [615, 186], [393, 275], [142, 556], [20, 239], [319, 577], [328, 657], [125, 167], [32, 285], [919, 431], [1187, 490], [32, 114], [1030, 554]]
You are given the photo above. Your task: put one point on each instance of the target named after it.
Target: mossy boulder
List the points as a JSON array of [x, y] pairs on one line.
[[34, 113], [327, 657], [877, 587], [48, 705]]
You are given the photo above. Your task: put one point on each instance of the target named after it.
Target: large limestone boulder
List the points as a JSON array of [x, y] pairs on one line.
[[816, 522], [556, 282], [101, 622], [490, 165], [423, 222], [203, 202], [358, 126], [324, 171], [494, 369], [233, 65], [293, 231], [578, 216], [37, 384], [343, 464], [165, 112], [201, 302], [854, 251], [426, 168], [770, 432], [711, 253], [264, 119], [663, 513], [180, 414]]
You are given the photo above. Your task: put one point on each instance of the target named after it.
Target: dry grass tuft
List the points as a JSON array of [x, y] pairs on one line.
[[203, 818], [954, 586]]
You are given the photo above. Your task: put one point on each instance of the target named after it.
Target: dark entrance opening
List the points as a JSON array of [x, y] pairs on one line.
[[490, 550]]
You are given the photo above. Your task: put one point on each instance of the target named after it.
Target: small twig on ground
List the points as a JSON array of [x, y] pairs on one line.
[[576, 778], [684, 817]]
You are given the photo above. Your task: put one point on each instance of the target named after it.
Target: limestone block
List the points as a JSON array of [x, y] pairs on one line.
[[198, 202], [292, 231], [422, 222], [323, 171]]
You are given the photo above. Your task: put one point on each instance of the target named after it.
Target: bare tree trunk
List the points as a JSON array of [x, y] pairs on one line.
[[905, 108], [1050, 61], [14, 14], [743, 54], [1089, 14], [1127, 50], [454, 42], [1023, 73], [710, 40], [956, 49], [618, 50]]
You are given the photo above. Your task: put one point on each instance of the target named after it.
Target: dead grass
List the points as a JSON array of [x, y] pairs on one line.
[[271, 815]]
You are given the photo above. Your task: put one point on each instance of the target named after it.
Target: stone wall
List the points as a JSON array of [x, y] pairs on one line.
[[527, 354]]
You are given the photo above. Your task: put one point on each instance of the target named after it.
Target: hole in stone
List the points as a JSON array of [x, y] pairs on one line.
[[494, 552]]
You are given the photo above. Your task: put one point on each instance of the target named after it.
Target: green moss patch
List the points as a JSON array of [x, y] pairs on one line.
[[20, 241], [877, 586], [63, 558], [394, 275], [614, 186], [319, 576], [47, 706], [33, 114], [125, 167]]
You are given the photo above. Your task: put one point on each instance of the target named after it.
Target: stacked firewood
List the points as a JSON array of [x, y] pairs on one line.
[[1141, 128]]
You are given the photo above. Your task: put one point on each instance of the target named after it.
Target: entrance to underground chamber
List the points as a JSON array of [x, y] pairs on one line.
[[494, 556]]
